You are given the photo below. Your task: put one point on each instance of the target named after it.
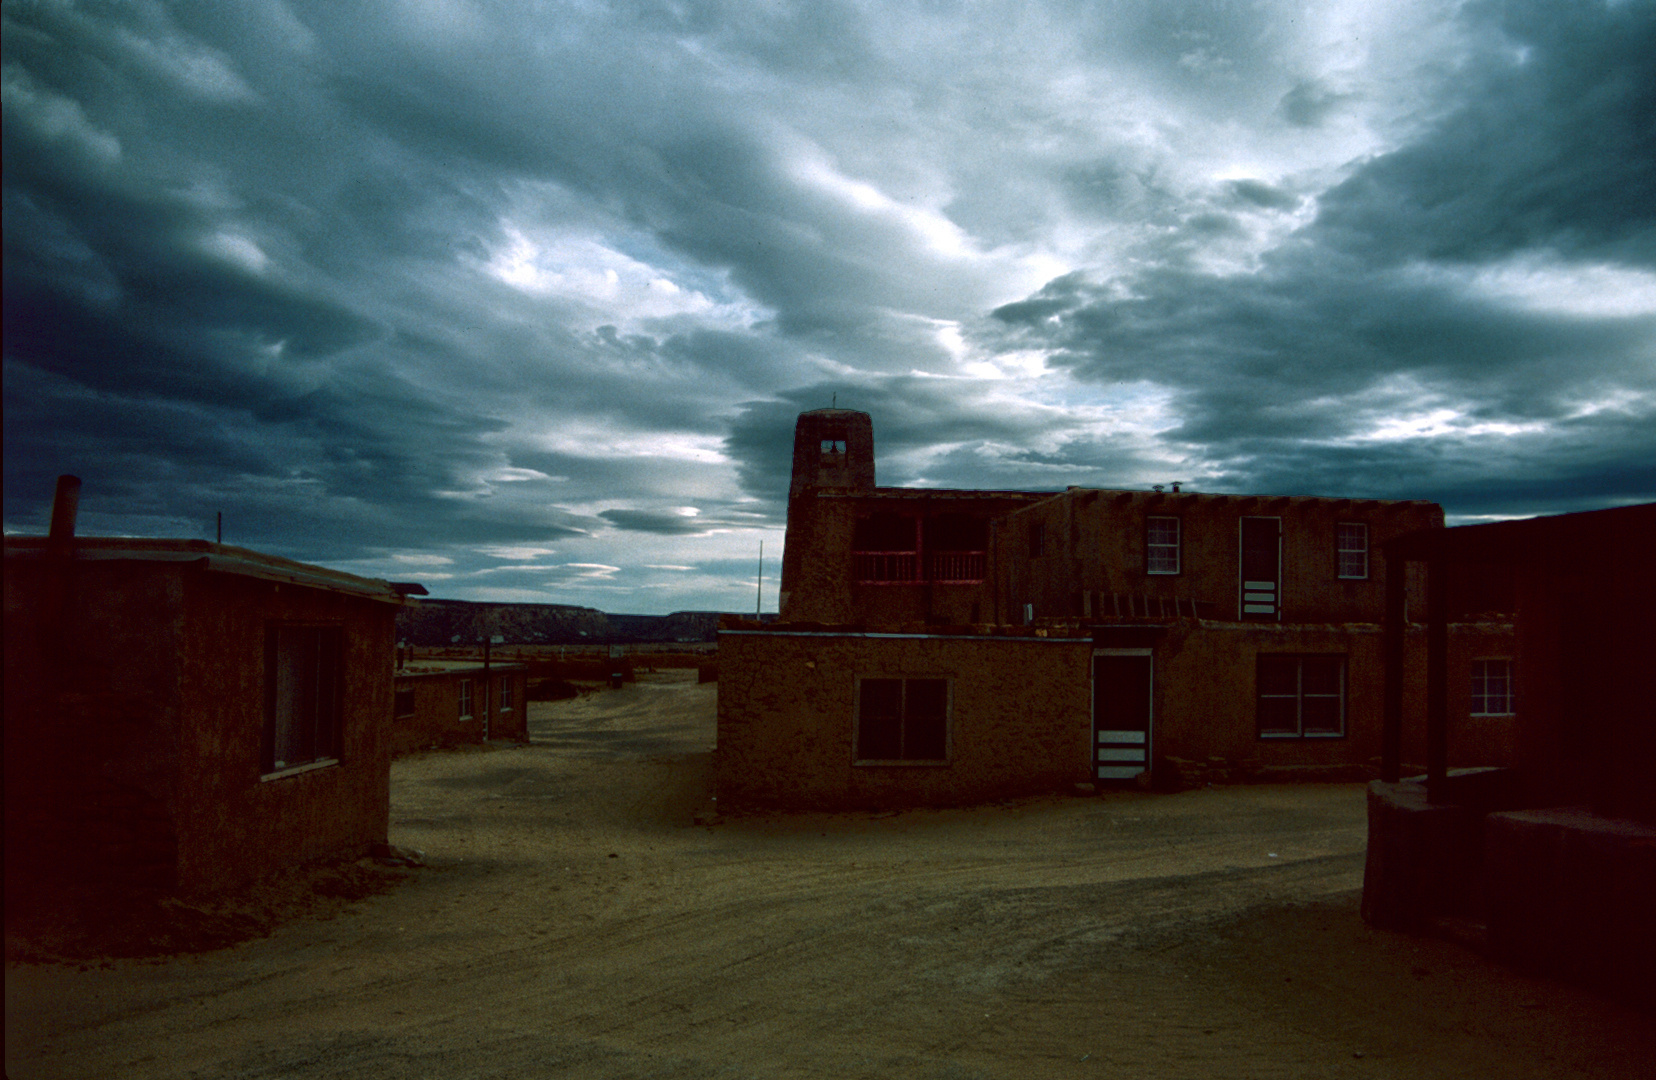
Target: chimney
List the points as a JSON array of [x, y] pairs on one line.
[[65, 505]]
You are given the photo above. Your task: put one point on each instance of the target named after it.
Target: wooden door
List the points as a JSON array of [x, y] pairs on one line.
[[1123, 687], [1259, 580]]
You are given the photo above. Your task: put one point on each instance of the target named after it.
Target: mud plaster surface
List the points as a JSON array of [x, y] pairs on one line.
[[574, 923]]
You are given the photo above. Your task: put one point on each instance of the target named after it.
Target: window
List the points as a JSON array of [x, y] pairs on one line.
[[505, 693], [1301, 696], [902, 720], [1161, 545], [302, 688], [465, 699], [1492, 687], [1037, 539], [404, 702], [1351, 549], [833, 446]]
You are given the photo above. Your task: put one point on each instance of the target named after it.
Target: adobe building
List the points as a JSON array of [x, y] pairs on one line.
[[184, 715], [446, 703], [955, 646], [1554, 858]]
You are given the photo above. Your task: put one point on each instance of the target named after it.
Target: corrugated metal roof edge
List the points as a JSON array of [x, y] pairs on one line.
[[216, 558]]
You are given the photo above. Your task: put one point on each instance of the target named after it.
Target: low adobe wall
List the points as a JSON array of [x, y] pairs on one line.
[[1020, 718], [434, 721]]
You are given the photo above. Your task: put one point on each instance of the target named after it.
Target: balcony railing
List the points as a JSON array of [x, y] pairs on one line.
[[900, 567], [884, 567], [965, 567]]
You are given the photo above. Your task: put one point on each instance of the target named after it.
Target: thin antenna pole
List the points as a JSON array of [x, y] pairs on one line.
[[759, 599]]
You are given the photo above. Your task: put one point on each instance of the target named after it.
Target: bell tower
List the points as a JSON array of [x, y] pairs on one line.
[[833, 448]]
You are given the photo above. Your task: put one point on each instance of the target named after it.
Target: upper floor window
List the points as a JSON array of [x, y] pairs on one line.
[[1161, 545], [1351, 551], [1492, 687]]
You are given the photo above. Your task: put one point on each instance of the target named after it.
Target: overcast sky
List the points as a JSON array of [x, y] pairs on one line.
[[520, 299]]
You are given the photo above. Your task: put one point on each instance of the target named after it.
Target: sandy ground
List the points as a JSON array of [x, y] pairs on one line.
[[573, 922]]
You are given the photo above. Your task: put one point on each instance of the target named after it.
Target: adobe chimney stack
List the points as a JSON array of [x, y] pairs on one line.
[[65, 505]]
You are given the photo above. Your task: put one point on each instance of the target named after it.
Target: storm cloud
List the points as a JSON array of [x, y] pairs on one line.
[[522, 302]]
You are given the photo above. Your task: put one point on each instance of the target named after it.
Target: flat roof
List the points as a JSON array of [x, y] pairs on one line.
[[213, 558]]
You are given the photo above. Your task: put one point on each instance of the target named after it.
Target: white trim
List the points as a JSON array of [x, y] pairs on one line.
[[1144, 739], [947, 759], [295, 770], [1275, 587]]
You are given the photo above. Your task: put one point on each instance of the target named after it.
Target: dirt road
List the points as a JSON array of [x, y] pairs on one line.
[[573, 923]]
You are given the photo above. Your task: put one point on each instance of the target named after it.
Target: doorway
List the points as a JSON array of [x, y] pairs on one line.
[[1123, 695]]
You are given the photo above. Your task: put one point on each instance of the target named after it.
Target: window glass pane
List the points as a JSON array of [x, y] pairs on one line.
[[1278, 675], [1278, 716], [880, 719], [926, 720], [1320, 715], [1320, 675]]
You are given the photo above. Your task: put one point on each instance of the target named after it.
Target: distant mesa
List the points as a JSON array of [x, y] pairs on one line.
[[446, 622]]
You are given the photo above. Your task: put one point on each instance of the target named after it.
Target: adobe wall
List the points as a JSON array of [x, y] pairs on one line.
[[232, 825], [1020, 722], [819, 576], [436, 721], [91, 725], [1206, 701], [1095, 541], [1586, 733], [1022, 714]]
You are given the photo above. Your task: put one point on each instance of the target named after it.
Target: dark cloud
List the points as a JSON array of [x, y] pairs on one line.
[[650, 521], [483, 297]]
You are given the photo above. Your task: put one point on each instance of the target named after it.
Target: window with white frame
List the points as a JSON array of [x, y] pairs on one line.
[[1300, 697], [1492, 687], [465, 699], [302, 696], [1161, 545], [1351, 550], [902, 720], [505, 693]]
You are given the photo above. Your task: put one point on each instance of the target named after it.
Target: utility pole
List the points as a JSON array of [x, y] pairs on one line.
[[759, 598]]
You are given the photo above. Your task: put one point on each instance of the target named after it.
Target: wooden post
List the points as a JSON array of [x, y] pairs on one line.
[[1437, 679], [1393, 630]]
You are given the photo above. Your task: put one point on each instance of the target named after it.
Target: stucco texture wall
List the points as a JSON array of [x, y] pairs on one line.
[[1020, 719], [232, 825], [1095, 541], [436, 722]]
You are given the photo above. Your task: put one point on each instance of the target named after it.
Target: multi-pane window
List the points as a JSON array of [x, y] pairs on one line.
[[505, 693], [1492, 687], [302, 696], [1351, 552], [1161, 545], [465, 699], [902, 720], [1300, 696]]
